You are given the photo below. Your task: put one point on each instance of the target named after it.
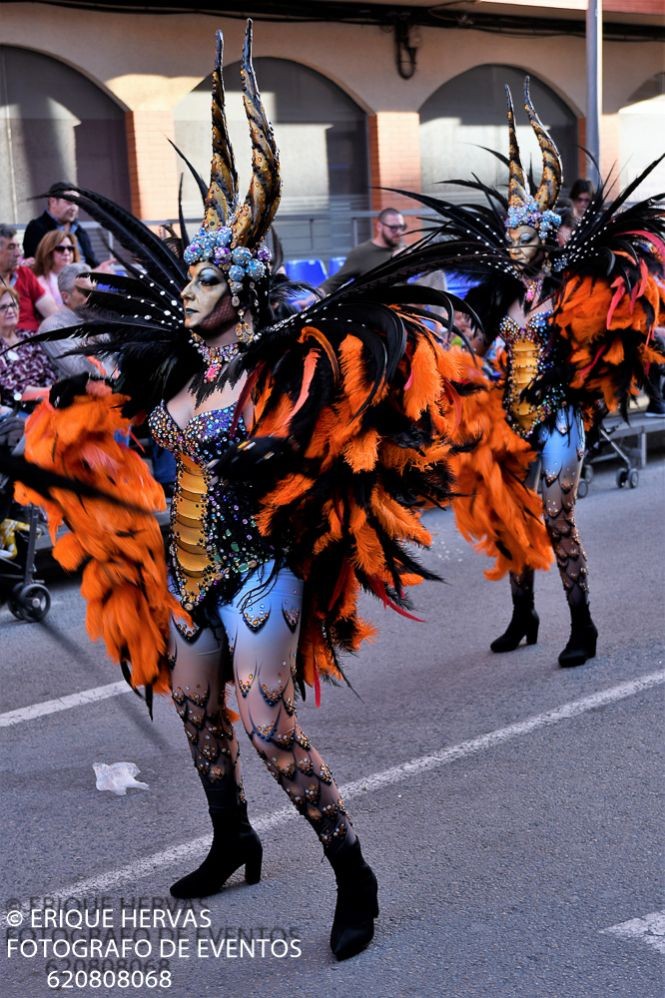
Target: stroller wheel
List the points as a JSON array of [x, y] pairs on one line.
[[31, 602], [582, 488], [633, 478], [622, 477]]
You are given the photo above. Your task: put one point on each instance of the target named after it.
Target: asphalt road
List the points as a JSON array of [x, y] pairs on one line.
[[504, 861]]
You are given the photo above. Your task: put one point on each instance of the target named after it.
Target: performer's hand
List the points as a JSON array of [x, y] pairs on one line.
[[64, 392], [252, 459]]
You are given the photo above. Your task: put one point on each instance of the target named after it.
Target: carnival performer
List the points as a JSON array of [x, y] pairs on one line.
[[305, 449], [572, 333]]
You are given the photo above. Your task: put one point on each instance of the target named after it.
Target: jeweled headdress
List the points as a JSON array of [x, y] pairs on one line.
[[526, 208], [231, 235]]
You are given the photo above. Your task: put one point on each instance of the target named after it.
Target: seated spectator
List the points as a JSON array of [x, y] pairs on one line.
[[568, 223], [75, 285], [581, 194], [35, 302], [22, 369], [60, 214], [56, 249]]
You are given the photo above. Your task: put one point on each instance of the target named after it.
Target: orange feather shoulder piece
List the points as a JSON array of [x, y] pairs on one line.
[[119, 544], [608, 325], [365, 413]]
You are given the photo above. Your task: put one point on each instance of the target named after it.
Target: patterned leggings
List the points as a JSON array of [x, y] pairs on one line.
[[561, 453], [262, 625]]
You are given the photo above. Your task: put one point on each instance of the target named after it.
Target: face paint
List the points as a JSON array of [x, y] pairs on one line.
[[525, 247], [207, 300]]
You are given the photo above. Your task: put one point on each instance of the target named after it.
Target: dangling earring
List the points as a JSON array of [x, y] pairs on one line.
[[244, 331]]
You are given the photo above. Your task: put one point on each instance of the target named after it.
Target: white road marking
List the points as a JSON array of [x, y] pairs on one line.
[[62, 703], [649, 929], [464, 749], [167, 857]]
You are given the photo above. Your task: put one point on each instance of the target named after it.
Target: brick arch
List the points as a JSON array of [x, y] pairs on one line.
[[639, 135], [321, 133], [469, 112], [65, 127]]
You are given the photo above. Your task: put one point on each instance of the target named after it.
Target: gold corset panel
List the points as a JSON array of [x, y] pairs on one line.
[[189, 548], [214, 538], [526, 347]]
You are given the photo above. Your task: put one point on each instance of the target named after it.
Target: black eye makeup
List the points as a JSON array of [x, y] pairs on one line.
[[210, 277]]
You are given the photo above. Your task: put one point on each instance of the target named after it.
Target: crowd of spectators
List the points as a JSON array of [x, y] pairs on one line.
[[45, 284]]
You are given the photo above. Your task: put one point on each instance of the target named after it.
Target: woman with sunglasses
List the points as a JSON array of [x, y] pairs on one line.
[[56, 249]]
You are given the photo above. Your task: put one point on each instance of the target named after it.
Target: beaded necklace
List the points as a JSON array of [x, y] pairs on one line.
[[534, 289], [215, 358]]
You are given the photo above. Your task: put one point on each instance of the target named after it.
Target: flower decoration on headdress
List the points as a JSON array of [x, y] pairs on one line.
[[231, 235], [525, 208]]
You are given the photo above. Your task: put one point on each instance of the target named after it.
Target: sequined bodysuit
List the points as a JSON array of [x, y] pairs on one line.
[[555, 430], [221, 564], [529, 349], [214, 541]]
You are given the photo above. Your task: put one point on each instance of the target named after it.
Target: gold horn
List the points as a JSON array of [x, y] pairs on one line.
[[221, 200], [550, 182], [517, 189], [253, 219]]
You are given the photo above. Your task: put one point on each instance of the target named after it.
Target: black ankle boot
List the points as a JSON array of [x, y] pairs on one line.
[[582, 641], [523, 624], [234, 844], [357, 901]]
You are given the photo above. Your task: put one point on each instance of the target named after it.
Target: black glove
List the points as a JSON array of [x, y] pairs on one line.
[[64, 392], [254, 460]]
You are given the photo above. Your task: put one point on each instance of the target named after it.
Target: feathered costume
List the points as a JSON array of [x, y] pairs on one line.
[[358, 414], [276, 525], [584, 348]]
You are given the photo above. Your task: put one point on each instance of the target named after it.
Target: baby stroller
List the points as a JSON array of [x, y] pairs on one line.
[[627, 473], [20, 527]]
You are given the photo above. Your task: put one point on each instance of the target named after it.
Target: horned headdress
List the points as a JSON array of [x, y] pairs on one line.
[[524, 207], [231, 234]]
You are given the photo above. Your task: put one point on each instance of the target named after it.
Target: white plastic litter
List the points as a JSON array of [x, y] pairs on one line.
[[118, 777]]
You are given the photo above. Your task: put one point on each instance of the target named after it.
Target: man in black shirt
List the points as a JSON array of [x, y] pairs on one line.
[[59, 214]]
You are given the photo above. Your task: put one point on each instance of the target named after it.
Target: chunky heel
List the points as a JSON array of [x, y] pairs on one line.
[[235, 844], [532, 633], [524, 624], [357, 901], [253, 866], [582, 642]]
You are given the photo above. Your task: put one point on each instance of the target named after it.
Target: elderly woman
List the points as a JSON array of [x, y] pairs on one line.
[[55, 251], [27, 368]]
